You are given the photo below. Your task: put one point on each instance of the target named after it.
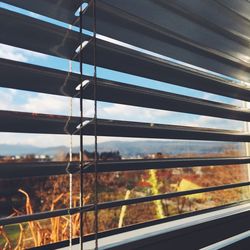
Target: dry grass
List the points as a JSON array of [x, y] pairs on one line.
[[38, 233], [123, 210]]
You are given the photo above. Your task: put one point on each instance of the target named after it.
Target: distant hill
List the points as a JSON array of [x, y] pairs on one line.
[[128, 148], [24, 149]]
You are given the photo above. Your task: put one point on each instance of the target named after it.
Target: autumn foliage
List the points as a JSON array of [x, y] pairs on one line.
[[41, 194]]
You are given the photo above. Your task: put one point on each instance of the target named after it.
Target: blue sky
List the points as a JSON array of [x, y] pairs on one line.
[[36, 102]]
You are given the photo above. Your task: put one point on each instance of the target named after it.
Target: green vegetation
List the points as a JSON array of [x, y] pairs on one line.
[[12, 233]]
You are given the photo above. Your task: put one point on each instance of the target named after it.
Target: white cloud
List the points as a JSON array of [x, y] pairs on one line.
[[217, 123], [37, 103], [12, 53], [222, 99], [34, 15], [5, 99], [51, 104], [39, 140], [17, 54], [124, 112], [49, 140]]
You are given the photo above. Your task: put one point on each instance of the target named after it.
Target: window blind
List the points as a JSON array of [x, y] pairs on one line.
[[214, 59]]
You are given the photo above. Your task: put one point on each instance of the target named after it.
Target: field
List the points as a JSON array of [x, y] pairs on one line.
[[51, 193]]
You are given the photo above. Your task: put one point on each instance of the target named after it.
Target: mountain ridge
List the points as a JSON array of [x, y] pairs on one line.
[[127, 148]]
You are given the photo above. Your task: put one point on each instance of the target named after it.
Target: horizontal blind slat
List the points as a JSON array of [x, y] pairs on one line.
[[29, 169], [46, 80], [36, 35], [118, 20], [58, 41], [115, 92], [62, 10], [21, 122], [56, 124], [136, 62], [37, 78], [112, 204], [28, 77]]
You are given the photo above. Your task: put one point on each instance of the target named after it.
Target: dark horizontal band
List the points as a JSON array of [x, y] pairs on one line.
[[136, 62], [37, 123], [130, 165], [43, 215], [56, 124], [29, 33], [228, 24], [115, 92], [36, 35], [189, 38], [62, 10], [142, 225], [240, 8], [29, 169], [160, 131], [37, 78], [112, 204], [10, 170], [166, 219], [119, 203], [42, 79]]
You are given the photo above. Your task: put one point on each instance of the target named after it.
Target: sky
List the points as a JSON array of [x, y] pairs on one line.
[[25, 101]]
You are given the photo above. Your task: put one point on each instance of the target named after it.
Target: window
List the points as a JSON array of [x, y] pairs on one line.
[[117, 115]]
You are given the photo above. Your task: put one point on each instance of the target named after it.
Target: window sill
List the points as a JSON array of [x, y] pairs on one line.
[[147, 236]]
